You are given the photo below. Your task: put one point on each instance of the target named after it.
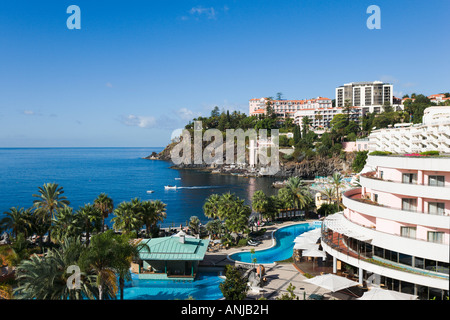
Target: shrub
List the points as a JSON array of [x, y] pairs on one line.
[[430, 153], [380, 153]]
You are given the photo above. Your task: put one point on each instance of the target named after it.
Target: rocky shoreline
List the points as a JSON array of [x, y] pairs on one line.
[[306, 169]]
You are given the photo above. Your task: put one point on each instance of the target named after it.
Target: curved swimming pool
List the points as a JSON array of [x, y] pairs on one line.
[[283, 248]]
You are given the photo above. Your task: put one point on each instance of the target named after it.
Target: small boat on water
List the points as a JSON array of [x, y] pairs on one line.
[[177, 178], [150, 191], [170, 187]]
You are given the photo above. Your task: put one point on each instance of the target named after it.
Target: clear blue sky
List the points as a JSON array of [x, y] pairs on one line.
[[137, 70]]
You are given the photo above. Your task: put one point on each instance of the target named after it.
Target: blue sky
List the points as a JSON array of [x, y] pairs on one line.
[[137, 70]]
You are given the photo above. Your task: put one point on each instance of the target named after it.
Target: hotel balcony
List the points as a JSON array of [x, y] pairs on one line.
[[352, 200], [360, 254], [407, 189]]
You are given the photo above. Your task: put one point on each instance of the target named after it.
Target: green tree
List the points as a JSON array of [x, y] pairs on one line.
[[299, 192], [106, 206], [194, 224], [211, 206], [17, 220], [260, 203], [100, 259], [337, 180], [88, 218], [127, 218], [48, 200], [46, 277], [66, 224], [234, 287], [360, 161]]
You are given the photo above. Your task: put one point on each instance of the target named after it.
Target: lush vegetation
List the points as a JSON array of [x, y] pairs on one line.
[[306, 142], [74, 238], [234, 287]]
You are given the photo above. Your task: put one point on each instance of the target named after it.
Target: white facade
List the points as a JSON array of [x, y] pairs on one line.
[[369, 96], [432, 134], [321, 117], [397, 247]]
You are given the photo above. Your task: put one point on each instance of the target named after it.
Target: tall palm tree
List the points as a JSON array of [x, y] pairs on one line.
[[260, 203], [49, 199], [17, 220], [99, 259], [106, 206], [89, 218], [329, 193], [337, 181]]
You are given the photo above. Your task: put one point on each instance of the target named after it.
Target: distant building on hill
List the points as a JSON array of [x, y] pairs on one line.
[[431, 135]]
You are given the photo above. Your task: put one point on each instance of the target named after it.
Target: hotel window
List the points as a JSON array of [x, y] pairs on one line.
[[409, 178], [437, 181], [437, 208], [409, 204], [434, 236], [408, 232]]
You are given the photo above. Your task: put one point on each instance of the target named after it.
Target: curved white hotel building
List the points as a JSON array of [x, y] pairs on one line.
[[394, 230]]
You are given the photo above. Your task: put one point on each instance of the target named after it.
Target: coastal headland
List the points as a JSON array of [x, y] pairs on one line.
[[306, 168]]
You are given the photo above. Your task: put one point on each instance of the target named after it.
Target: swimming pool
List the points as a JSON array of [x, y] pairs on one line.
[[205, 287], [283, 248]]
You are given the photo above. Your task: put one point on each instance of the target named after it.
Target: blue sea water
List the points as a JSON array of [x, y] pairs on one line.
[[121, 173]]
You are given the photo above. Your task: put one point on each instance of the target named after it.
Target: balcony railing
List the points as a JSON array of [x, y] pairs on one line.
[[353, 201], [339, 242]]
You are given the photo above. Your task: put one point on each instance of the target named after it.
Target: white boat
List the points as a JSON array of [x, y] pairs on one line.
[[170, 187], [150, 191], [177, 178]]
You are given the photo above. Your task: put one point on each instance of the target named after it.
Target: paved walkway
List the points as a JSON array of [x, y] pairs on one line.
[[279, 275]]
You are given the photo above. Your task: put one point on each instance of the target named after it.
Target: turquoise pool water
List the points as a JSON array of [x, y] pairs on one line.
[[283, 248], [205, 287]]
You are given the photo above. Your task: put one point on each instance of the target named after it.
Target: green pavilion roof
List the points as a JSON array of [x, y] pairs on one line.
[[170, 248]]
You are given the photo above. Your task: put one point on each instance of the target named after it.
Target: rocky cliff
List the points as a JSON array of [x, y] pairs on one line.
[[307, 169]]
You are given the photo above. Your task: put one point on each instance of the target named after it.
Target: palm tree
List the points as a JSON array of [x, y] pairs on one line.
[[299, 192], [148, 215], [285, 198], [260, 202], [89, 218], [100, 259], [329, 193], [194, 224], [106, 206], [46, 277], [66, 224], [49, 199], [211, 206], [338, 182], [17, 220], [160, 211], [214, 227], [126, 219]]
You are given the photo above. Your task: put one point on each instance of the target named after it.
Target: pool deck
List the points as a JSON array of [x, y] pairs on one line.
[[278, 275]]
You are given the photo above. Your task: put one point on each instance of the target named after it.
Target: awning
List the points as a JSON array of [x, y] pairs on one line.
[[338, 223]]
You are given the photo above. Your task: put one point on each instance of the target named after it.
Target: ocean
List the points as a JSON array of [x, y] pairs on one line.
[[121, 173]]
